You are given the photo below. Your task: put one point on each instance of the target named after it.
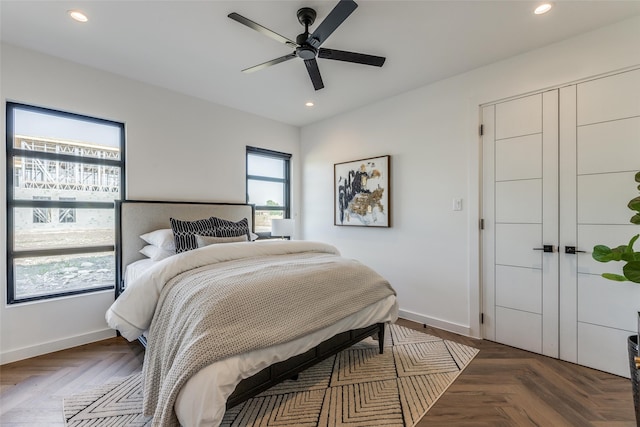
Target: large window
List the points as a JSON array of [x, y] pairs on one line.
[[268, 187], [64, 172]]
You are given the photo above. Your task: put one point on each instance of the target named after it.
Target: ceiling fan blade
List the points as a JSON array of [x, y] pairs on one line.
[[339, 13], [360, 58], [314, 73], [267, 32], [269, 63]]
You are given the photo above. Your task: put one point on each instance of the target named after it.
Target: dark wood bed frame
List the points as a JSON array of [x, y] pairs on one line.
[[278, 372], [290, 368]]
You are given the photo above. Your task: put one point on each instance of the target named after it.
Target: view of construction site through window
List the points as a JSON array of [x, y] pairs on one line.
[[66, 171], [268, 187]]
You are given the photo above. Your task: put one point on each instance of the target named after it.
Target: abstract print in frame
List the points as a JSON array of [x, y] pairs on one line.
[[362, 192]]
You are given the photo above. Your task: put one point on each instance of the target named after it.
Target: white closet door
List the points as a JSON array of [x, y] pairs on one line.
[[600, 154], [520, 205], [541, 190]]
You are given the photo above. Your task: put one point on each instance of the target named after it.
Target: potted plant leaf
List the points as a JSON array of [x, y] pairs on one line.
[[624, 253], [630, 272]]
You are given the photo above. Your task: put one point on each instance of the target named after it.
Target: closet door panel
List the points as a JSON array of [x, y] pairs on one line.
[[609, 98], [603, 348], [520, 195], [515, 245], [600, 348], [519, 328], [519, 158], [519, 288], [609, 146], [606, 160], [602, 303], [519, 117], [603, 198], [519, 201]]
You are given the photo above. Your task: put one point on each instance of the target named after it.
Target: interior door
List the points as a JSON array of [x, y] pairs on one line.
[[558, 172], [520, 213], [599, 156]]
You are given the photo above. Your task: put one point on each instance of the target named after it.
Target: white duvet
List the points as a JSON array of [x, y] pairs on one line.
[[202, 400], [132, 312]]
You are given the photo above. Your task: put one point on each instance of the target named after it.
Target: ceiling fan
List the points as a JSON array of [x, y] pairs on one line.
[[307, 46]]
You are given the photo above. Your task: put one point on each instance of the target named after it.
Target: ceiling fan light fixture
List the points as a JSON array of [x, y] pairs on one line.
[[543, 8], [309, 104], [77, 15]]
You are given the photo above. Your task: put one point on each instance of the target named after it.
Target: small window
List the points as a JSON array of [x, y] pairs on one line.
[[67, 215], [268, 187], [41, 215], [64, 173]]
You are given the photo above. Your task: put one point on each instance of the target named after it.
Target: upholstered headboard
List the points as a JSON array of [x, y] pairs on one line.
[[136, 217]]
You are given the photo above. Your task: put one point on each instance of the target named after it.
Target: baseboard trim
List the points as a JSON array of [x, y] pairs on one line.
[[63, 344], [436, 323], [51, 346]]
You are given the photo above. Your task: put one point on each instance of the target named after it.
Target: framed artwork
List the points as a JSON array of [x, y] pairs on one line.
[[361, 192]]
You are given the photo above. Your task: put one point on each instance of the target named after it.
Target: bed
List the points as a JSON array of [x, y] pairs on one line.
[[202, 397]]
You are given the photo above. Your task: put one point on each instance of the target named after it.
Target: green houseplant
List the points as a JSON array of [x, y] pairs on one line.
[[624, 253]]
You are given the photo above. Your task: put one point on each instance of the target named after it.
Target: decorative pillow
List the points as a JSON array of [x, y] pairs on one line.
[[225, 228], [161, 238], [203, 241], [156, 253], [184, 232], [254, 237]]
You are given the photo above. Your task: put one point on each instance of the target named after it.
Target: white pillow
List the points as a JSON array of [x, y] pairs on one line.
[[254, 236], [156, 253], [203, 241], [161, 238]]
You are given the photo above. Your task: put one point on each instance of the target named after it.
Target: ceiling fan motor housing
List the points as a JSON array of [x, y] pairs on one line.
[[305, 50]]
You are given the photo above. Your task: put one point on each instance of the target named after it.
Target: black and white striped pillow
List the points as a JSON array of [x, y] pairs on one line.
[[225, 228], [184, 232]]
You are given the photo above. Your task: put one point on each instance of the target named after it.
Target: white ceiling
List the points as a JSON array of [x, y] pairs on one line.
[[192, 47]]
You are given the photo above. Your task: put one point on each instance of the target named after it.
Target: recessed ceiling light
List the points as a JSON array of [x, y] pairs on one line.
[[78, 16], [309, 104], [543, 8]]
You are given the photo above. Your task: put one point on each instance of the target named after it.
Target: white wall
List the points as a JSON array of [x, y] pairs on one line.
[[182, 148], [177, 148], [431, 255]]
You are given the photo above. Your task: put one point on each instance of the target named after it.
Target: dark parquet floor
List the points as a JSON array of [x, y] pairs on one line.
[[502, 386]]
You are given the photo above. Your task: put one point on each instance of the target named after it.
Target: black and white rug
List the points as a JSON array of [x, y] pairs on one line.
[[356, 387]]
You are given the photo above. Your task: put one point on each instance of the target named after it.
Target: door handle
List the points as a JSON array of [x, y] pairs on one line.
[[572, 250], [545, 248]]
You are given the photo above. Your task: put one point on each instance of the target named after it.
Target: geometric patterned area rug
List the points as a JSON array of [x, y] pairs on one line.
[[118, 403], [356, 387]]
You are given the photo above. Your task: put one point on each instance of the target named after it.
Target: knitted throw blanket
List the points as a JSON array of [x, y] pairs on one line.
[[223, 309]]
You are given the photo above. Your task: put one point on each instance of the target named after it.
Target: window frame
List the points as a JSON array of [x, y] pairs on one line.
[[286, 181], [12, 203]]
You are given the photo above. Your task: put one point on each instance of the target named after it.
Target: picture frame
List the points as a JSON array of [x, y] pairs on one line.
[[362, 192]]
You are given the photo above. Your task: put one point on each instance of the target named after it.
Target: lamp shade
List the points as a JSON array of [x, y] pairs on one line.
[[282, 227]]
